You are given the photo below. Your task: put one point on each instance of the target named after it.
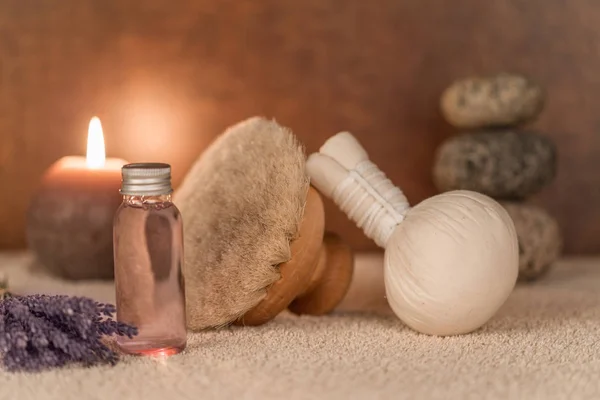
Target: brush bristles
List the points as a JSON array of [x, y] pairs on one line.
[[242, 203]]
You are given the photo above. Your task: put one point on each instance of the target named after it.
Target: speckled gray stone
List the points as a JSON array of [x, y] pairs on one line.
[[491, 101], [540, 240], [504, 165]]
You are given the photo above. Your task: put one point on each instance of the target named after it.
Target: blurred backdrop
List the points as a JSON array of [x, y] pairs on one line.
[[166, 77]]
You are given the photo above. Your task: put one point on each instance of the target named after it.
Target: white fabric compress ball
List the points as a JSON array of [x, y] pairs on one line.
[[452, 263]]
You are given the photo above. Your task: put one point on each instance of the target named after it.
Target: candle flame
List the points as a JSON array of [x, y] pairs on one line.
[[96, 153]]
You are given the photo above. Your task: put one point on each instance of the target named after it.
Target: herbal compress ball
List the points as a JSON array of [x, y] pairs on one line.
[[450, 262]]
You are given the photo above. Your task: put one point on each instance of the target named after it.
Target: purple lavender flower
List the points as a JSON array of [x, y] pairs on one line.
[[40, 331]]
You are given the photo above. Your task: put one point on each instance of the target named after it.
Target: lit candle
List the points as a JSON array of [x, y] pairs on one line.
[[69, 226]]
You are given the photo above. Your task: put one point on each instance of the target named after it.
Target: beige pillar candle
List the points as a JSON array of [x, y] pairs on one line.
[[70, 218]]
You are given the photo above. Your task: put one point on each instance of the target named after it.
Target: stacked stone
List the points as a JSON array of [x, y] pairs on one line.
[[496, 156]]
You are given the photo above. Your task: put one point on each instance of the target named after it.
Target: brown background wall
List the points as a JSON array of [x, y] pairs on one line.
[[165, 77]]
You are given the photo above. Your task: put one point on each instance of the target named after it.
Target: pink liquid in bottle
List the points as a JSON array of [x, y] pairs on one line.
[[148, 248]]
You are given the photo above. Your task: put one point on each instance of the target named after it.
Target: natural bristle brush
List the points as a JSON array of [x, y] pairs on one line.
[[255, 239]]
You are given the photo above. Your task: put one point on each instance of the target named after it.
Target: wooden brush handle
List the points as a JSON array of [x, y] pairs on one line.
[[317, 277], [330, 280], [296, 273]]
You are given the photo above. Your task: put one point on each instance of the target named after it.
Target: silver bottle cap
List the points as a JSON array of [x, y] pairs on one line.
[[146, 179]]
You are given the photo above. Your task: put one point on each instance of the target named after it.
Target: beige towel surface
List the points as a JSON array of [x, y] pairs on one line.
[[544, 343]]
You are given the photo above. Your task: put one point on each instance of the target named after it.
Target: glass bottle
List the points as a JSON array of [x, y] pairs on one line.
[[148, 252]]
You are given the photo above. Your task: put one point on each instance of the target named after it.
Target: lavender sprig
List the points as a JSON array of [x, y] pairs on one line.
[[40, 331]]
